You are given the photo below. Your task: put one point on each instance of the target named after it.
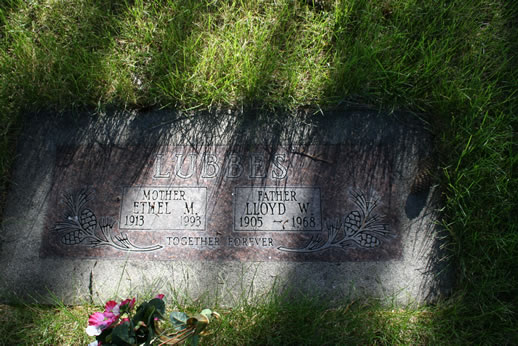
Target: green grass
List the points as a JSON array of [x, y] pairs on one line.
[[456, 61], [44, 325], [306, 322]]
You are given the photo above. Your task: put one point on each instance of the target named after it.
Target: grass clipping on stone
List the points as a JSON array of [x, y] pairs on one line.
[[453, 60]]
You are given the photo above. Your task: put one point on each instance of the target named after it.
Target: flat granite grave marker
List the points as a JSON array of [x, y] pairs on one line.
[[222, 206]]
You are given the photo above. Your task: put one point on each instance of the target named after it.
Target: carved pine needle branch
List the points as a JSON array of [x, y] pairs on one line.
[[360, 228], [80, 226]]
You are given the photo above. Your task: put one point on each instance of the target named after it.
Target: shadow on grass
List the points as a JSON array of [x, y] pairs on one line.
[[40, 324]]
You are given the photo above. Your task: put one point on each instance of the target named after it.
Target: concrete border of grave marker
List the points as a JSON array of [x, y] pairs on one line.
[[224, 206]]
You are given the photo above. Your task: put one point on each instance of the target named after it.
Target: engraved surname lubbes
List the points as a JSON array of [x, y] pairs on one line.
[[210, 166]]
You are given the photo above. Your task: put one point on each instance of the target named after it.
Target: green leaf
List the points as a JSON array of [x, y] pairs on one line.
[[148, 314], [123, 334], [178, 319], [139, 315], [159, 306], [105, 336], [157, 312], [144, 320]]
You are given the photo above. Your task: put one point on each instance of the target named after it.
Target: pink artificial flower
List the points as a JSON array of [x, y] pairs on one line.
[[130, 303], [112, 306], [102, 319], [99, 321], [160, 296], [111, 318], [96, 319]]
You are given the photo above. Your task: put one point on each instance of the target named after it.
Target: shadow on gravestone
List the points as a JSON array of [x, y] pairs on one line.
[[221, 206]]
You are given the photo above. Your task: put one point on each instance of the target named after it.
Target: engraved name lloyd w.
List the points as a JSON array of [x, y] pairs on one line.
[[210, 165], [277, 209]]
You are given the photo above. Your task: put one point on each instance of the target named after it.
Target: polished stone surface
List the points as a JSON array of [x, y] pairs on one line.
[[334, 204]]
